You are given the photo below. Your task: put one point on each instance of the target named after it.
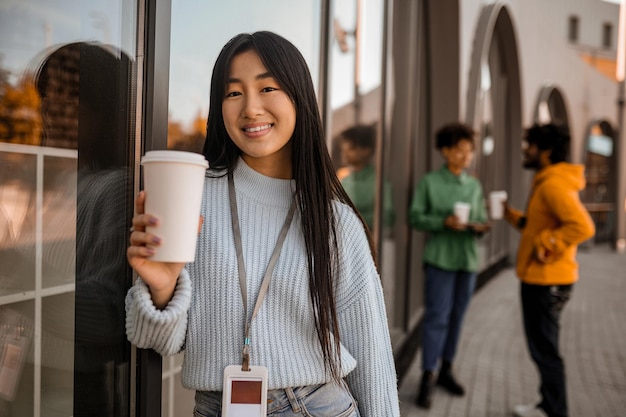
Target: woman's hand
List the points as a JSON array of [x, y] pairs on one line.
[[160, 277]]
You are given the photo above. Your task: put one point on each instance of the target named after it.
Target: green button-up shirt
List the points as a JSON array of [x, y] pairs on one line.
[[433, 201]]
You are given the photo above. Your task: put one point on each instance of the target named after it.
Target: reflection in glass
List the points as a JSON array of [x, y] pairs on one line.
[[355, 99], [59, 221], [104, 184], [17, 227], [59, 95], [17, 330], [358, 176], [344, 75], [57, 356], [355, 94]]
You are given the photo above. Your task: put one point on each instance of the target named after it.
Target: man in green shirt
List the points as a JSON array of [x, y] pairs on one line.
[[450, 257]]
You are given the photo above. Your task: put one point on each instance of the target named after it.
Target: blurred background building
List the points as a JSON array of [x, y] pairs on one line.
[[86, 87]]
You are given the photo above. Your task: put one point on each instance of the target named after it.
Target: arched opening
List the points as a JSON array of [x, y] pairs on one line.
[[600, 162], [494, 110], [550, 107]]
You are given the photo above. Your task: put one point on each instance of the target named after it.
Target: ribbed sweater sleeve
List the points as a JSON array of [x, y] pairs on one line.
[[363, 323], [162, 330]]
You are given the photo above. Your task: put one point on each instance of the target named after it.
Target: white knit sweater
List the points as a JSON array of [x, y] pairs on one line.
[[206, 313]]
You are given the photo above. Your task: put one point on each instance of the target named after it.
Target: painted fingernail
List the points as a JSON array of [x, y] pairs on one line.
[[153, 220], [156, 240]]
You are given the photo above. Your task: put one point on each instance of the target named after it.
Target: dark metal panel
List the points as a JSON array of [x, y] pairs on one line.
[[149, 365], [157, 73], [155, 88]]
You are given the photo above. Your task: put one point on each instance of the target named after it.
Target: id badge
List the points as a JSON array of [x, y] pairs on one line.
[[245, 392]]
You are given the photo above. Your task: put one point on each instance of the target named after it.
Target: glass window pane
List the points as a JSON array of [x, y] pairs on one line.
[[356, 89], [57, 361], [16, 333], [65, 84], [200, 30], [58, 221], [343, 72], [17, 226]]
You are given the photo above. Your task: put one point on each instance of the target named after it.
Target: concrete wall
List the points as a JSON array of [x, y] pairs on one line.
[[548, 57]]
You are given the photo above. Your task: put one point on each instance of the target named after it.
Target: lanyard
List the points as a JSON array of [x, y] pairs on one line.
[[242, 268]]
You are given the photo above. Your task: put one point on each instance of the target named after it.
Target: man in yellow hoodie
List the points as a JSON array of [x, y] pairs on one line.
[[554, 223]]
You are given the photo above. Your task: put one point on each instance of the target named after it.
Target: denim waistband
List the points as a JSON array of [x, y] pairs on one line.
[[277, 399]]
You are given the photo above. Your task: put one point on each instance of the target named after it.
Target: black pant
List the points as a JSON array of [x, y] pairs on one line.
[[542, 306]]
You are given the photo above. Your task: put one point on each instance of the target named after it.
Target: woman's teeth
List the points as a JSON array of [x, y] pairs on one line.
[[257, 129]]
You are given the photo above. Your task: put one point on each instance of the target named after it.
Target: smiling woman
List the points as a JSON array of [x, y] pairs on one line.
[[279, 224], [259, 116]]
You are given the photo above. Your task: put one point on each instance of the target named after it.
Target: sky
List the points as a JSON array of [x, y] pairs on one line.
[[29, 27]]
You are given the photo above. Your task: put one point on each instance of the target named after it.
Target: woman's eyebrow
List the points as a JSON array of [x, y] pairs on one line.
[[262, 76]]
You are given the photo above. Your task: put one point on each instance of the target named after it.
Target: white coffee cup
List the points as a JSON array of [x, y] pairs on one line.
[[174, 183], [462, 211], [496, 199]]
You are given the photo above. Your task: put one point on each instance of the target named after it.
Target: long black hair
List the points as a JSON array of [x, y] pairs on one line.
[[316, 182]]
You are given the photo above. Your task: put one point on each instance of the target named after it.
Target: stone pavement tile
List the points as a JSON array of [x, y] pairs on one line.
[[493, 362], [595, 325], [491, 339]]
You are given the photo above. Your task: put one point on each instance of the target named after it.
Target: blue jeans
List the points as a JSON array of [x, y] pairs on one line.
[[446, 297], [324, 400], [542, 306]]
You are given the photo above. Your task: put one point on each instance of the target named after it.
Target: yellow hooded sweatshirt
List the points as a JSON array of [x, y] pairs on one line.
[[556, 221]]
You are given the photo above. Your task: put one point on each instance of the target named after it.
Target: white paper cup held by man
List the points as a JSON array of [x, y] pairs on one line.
[[462, 211], [174, 183], [496, 201]]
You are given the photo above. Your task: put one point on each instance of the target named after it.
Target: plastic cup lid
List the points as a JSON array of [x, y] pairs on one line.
[[175, 156]]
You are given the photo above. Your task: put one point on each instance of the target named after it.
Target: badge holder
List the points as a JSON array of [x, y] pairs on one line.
[[244, 392]]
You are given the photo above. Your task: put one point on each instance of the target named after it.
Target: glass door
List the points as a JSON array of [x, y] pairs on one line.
[[65, 109]]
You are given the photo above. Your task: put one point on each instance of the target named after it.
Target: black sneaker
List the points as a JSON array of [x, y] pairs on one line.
[[447, 381], [425, 393]]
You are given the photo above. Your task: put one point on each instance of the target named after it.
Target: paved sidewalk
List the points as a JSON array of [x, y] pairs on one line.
[[493, 361]]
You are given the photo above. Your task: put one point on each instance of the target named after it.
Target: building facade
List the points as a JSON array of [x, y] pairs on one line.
[[87, 87]]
